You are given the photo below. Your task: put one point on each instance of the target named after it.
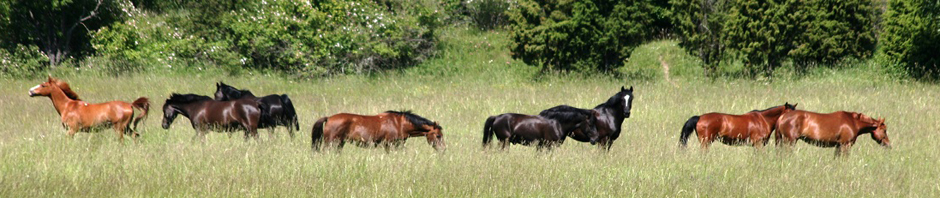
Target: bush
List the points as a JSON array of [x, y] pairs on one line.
[[579, 35], [911, 36], [22, 62], [488, 14]]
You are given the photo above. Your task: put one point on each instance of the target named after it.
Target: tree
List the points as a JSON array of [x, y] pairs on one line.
[[833, 30], [58, 27], [911, 36], [762, 31], [699, 25], [580, 35]]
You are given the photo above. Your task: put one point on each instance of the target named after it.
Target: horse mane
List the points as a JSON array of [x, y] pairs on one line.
[[66, 89], [186, 98], [567, 113], [416, 120], [231, 91], [755, 110], [612, 101]]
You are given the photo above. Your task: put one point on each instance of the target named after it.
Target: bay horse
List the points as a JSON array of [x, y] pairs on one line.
[[837, 129], [753, 127], [278, 109], [78, 115], [609, 118], [206, 114], [388, 129], [526, 129]]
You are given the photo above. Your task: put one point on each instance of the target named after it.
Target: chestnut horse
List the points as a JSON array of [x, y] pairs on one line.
[[387, 129], [838, 129], [526, 129], [753, 127], [205, 114], [279, 110], [77, 115]]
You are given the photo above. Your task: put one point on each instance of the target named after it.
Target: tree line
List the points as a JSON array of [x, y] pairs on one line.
[[318, 37]]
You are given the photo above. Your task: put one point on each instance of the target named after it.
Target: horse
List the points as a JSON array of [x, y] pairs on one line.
[[388, 129], [525, 129], [754, 127], [837, 129], [609, 118], [78, 115], [279, 110], [205, 114]]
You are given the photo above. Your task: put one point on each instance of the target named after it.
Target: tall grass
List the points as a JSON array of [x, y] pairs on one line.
[[472, 78]]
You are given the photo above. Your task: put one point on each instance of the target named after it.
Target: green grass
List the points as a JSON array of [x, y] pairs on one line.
[[459, 89]]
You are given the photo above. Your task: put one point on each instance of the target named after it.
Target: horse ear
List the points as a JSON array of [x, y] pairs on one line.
[[882, 120], [631, 87], [622, 89]]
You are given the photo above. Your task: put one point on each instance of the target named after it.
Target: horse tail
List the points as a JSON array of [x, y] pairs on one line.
[[316, 136], [488, 130], [143, 104], [289, 111], [687, 130]]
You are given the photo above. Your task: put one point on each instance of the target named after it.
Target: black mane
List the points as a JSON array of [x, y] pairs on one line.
[[186, 98], [232, 92], [566, 113], [613, 102], [416, 120]]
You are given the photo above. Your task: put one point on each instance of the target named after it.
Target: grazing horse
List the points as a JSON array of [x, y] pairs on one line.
[[753, 127], [279, 110], [205, 114], [609, 116], [77, 115], [526, 129], [388, 129], [838, 129]]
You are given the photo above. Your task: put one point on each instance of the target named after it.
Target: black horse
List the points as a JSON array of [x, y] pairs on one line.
[[206, 114], [609, 115], [279, 111], [526, 129]]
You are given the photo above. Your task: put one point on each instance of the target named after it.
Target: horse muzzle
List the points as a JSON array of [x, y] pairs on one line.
[[32, 94]]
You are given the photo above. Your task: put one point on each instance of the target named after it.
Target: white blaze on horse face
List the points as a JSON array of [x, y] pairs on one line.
[[33, 89], [626, 101]]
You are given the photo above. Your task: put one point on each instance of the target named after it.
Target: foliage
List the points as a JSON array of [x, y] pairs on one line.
[[700, 28], [579, 35], [488, 14], [22, 62], [306, 37], [912, 36], [58, 27], [761, 32], [832, 30]]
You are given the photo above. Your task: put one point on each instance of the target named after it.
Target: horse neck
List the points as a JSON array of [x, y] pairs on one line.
[[864, 127], [771, 115], [616, 113], [186, 108], [407, 128], [59, 99]]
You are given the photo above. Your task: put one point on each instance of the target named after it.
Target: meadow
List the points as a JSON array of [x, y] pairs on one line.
[[472, 78]]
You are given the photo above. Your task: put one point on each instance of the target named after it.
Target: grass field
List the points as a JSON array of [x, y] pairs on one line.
[[473, 78]]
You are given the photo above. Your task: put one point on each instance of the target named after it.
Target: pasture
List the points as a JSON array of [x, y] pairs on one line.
[[459, 91]]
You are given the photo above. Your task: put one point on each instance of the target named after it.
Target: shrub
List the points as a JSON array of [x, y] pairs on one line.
[[911, 36]]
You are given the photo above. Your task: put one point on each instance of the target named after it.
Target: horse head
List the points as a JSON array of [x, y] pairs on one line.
[[169, 114], [880, 134], [434, 136], [43, 89], [627, 95]]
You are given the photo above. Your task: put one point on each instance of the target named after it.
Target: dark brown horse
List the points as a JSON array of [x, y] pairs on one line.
[[838, 129], [278, 109], [609, 118], [388, 129], [206, 114], [526, 129], [79, 115], [752, 128]]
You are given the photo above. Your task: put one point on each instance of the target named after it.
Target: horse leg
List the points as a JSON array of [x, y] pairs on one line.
[[119, 130], [843, 149]]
